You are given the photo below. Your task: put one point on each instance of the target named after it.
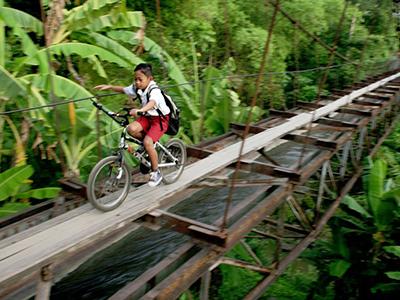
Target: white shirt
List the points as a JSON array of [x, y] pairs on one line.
[[155, 95]]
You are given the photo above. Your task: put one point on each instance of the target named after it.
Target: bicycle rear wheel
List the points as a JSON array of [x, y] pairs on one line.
[[169, 168], [108, 183]]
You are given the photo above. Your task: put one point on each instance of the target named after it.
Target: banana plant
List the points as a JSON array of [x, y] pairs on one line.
[[15, 185], [24, 90], [363, 233]]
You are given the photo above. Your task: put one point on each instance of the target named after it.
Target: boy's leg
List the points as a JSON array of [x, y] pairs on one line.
[[149, 146], [155, 175], [135, 129]]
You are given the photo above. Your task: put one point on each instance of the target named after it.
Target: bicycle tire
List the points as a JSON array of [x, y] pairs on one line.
[[178, 150], [108, 192]]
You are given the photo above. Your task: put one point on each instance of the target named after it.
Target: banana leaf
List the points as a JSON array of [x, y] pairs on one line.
[[80, 49], [10, 86], [43, 193], [376, 185], [115, 48], [338, 267], [393, 250], [88, 12], [12, 179], [17, 18], [354, 205], [132, 19]]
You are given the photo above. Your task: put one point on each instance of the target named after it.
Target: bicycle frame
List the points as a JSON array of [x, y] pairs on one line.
[[124, 122]]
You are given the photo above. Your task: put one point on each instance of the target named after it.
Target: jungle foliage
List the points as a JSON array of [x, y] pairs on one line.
[[206, 54]]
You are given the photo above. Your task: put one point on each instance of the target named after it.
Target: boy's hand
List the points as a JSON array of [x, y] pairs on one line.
[[135, 112], [103, 87]]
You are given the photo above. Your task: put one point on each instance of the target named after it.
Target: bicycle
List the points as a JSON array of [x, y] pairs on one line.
[[110, 179]]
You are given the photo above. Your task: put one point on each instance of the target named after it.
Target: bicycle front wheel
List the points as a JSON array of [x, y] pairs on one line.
[[171, 164], [108, 183]]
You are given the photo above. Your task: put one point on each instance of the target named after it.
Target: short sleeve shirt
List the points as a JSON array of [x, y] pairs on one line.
[[155, 95]]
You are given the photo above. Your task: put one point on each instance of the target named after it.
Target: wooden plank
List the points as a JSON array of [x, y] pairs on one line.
[[44, 247]]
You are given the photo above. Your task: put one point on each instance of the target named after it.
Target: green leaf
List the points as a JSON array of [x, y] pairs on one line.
[[114, 47], [393, 275], [125, 20], [338, 267], [354, 205], [88, 12], [394, 194], [28, 46], [10, 86], [82, 50], [42, 193], [385, 287], [376, 185], [62, 87], [393, 249], [12, 208], [18, 18], [12, 179]]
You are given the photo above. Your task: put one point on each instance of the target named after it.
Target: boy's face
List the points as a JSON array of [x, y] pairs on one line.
[[141, 80]]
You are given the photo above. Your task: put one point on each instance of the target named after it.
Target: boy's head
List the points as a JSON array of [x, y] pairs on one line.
[[143, 76]]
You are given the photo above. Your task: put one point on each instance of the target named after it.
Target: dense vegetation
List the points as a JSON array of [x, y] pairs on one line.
[[207, 54]]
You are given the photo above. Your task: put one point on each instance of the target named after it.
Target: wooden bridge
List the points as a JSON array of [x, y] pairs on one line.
[[333, 135]]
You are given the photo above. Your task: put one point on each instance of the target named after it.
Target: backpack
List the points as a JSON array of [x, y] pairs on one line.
[[173, 122]]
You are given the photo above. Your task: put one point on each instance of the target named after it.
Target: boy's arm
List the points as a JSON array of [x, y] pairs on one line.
[[115, 88], [145, 108], [149, 105]]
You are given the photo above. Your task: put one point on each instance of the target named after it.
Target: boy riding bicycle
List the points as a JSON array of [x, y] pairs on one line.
[[148, 127]]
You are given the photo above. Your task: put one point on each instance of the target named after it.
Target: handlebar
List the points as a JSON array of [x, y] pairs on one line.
[[121, 119]]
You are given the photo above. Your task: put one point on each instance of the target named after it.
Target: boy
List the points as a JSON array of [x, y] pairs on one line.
[[149, 127]]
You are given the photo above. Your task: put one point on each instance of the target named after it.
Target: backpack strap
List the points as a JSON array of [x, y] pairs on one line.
[[160, 114]]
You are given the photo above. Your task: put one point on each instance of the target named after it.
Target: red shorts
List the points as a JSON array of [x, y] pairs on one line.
[[151, 126]]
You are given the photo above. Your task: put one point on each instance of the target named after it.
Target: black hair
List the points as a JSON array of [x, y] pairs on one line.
[[146, 69]]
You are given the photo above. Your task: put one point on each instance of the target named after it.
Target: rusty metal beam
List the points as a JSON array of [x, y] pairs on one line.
[[196, 229], [366, 101], [243, 264], [239, 183], [271, 170], [378, 96], [241, 127], [323, 143], [308, 105], [193, 151], [336, 123], [281, 113], [353, 111]]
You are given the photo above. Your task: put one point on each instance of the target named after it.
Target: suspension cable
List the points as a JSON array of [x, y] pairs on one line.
[[172, 86], [247, 128]]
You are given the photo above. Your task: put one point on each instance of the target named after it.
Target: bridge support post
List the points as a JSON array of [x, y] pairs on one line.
[[205, 285], [44, 284], [362, 137], [343, 161]]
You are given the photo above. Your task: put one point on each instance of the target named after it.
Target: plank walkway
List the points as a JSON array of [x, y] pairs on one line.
[[35, 249]]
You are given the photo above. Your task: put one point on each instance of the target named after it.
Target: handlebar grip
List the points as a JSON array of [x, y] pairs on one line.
[[140, 113]]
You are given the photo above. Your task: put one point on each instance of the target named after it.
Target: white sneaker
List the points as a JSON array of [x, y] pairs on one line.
[[155, 178]]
